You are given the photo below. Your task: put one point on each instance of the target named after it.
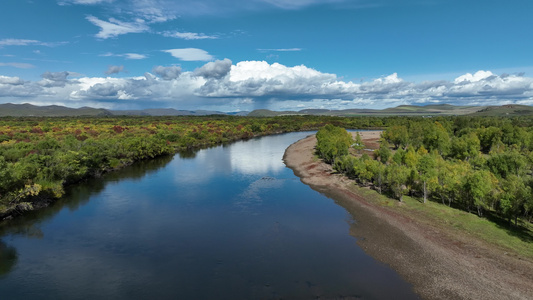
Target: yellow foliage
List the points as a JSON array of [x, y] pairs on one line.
[[10, 142], [31, 190]]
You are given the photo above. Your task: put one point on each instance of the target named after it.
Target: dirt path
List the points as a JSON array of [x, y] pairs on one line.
[[440, 265]]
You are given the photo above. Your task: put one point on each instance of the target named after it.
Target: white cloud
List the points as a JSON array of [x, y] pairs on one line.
[[159, 11], [190, 54], [115, 27], [188, 35], [297, 4], [246, 70], [114, 70], [215, 69], [15, 87], [137, 88], [23, 42], [57, 79], [281, 50], [478, 76], [17, 65], [11, 80], [55, 76], [133, 56], [167, 73], [260, 79], [17, 42], [220, 85], [154, 11], [83, 2]]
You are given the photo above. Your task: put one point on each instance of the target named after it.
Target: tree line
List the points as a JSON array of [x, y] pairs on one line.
[[39, 156], [476, 164]]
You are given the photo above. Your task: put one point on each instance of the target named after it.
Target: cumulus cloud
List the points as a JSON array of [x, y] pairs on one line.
[[115, 27], [221, 85], [15, 87], [137, 88], [114, 70], [167, 73], [11, 80], [259, 78], [478, 76], [279, 84], [215, 69], [188, 35], [190, 54], [55, 76], [56, 79]]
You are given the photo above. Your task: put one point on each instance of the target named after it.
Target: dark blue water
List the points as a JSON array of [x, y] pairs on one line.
[[230, 222]]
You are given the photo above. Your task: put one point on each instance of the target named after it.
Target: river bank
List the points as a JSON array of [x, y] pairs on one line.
[[440, 262]]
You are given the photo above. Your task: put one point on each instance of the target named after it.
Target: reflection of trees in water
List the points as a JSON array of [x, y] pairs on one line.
[[79, 194], [187, 154], [76, 195], [137, 170], [8, 258], [191, 153]]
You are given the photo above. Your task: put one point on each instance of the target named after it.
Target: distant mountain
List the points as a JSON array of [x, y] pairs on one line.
[[164, 112], [27, 110], [402, 110], [271, 113], [505, 110]]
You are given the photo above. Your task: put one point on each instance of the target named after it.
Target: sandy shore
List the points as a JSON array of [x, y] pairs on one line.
[[439, 263]]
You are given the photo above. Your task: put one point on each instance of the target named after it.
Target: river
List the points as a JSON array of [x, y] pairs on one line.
[[229, 222]]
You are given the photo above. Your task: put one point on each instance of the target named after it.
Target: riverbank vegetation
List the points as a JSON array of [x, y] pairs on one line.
[[477, 165], [39, 156]]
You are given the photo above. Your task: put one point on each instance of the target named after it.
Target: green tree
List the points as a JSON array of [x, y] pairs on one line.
[[450, 177], [427, 173], [465, 147], [478, 185], [6, 177], [410, 158], [333, 142], [358, 144], [507, 163], [396, 177], [436, 137], [377, 170], [397, 135], [383, 153], [488, 137], [367, 171], [515, 195], [398, 156]]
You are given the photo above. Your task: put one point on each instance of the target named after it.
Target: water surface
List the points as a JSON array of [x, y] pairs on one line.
[[230, 222]]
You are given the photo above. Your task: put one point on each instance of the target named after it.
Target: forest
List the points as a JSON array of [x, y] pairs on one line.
[[39, 156], [482, 165]]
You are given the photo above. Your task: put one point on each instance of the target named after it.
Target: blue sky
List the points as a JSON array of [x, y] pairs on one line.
[[240, 55]]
